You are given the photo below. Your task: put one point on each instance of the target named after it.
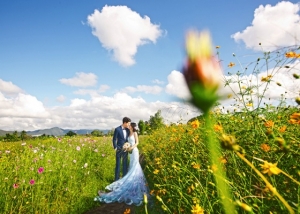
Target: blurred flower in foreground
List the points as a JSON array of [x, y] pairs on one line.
[[270, 168], [202, 71]]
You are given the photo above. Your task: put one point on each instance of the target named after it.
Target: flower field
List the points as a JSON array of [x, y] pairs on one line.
[[63, 175], [181, 176]]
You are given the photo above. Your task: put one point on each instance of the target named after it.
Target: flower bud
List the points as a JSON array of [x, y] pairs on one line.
[[202, 71]]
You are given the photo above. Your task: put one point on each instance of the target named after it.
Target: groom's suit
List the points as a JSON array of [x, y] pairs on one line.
[[118, 141]]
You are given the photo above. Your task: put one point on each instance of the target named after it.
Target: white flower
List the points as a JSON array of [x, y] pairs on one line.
[[78, 148], [85, 165], [74, 161]]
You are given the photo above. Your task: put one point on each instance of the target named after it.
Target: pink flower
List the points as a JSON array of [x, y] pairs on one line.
[[59, 139], [31, 182], [40, 170], [15, 186], [103, 155]]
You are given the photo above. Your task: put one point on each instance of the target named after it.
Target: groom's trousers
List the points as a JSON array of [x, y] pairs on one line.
[[121, 156]]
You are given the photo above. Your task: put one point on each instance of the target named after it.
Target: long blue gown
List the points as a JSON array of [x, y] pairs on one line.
[[129, 189]]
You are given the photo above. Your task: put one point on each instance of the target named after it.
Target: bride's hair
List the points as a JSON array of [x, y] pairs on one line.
[[134, 127]]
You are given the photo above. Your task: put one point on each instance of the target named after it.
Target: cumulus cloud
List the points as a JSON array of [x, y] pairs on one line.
[[81, 80], [22, 105], [143, 88], [121, 30], [177, 85], [61, 98], [102, 112], [8, 88], [103, 88], [272, 26]]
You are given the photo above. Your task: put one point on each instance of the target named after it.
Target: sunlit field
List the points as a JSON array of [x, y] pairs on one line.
[[55, 175], [63, 175], [181, 177]]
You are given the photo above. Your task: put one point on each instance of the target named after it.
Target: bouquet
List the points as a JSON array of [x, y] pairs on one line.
[[126, 146]]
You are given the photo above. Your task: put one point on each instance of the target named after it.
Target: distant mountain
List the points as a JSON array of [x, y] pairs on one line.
[[2, 132], [56, 131]]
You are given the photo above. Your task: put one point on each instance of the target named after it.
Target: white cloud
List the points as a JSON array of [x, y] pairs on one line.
[[143, 88], [177, 85], [290, 87], [81, 80], [156, 81], [103, 88], [8, 88], [22, 105], [121, 30], [272, 26], [61, 98]]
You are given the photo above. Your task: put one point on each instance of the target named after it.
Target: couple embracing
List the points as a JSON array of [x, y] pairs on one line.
[[130, 189]]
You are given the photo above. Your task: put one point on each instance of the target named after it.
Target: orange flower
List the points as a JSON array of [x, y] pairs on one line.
[[269, 124], [265, 147], [295, 118], [218, 127], [282, 129], [231, 64], [127, 211], [291, 54]]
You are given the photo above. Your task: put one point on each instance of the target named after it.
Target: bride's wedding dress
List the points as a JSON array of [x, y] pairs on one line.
[[129, 189]]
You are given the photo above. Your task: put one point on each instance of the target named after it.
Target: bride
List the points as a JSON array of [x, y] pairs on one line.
[[131, 188]]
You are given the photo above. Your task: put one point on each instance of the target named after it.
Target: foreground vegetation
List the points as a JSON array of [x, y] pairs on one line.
[[181, 176]]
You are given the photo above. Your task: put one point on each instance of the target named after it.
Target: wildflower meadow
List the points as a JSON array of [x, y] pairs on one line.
[[238, 159]]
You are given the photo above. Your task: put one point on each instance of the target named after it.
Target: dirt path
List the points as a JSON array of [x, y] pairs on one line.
[[112, 208]]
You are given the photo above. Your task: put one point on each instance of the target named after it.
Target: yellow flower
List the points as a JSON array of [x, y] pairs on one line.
[[197, 209], [290, 54], [270, 168], [266, 79], [195, 124], [156, 171], [196, 166]]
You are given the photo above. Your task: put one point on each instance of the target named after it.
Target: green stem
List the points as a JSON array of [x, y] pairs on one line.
[[219, 173]]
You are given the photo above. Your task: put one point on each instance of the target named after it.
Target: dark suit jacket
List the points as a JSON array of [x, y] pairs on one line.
[[119, 139]]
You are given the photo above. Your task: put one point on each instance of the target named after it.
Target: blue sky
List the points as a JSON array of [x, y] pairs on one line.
[[87, 64]]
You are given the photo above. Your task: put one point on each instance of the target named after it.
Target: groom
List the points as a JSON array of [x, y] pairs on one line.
[[121, 134]]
